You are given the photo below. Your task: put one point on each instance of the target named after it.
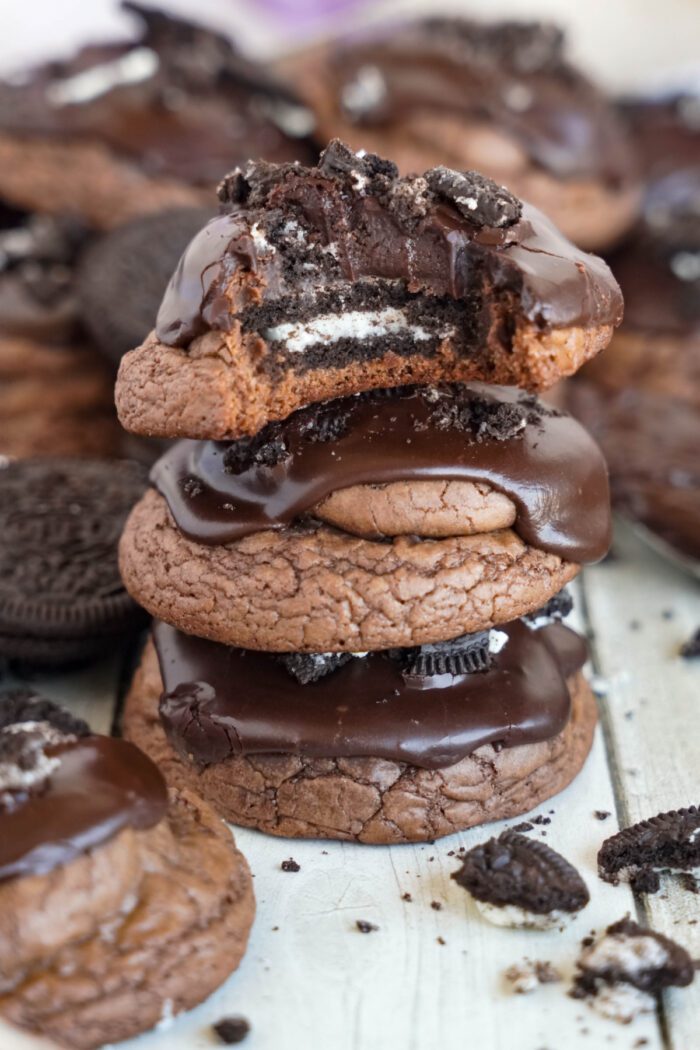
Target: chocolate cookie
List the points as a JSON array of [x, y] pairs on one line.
[[669, 842], [521, 882], [312, 588], [501, 97], [418, 279], [61, 596], [119, 903], [123, 275], [368, 799], [124, 129]]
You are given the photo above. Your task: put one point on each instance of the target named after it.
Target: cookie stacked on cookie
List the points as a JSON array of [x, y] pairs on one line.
[[357, 555]]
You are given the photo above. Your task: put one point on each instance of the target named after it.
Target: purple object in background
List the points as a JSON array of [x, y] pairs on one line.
[[304, 15]]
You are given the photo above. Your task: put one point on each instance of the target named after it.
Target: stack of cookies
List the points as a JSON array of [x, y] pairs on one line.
[[356, 558]]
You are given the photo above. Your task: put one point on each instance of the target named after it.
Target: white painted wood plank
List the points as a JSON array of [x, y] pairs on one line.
[[644, 609]]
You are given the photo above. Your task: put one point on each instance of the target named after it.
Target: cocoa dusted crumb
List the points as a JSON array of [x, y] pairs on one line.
[[690, 650], [231, 1030], [290, 865], [365, 927]]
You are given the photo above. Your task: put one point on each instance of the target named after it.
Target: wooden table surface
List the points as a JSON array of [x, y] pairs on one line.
[[433, 978]]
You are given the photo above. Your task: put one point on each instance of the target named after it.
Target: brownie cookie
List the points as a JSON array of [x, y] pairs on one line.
[[119, 904], [61, 596], [368, 799], [124, 129], [315, 589], [123, 275], [326, 281], [500, 97], [521, 882]]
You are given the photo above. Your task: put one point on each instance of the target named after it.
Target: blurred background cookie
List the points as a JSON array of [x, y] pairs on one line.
[[501, 97]]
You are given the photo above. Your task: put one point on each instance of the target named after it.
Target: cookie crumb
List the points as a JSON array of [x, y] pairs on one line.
[[690, 650], [290, 865], [231, 1030], [406, 897], [365, 927], [441, 940], [601, 814], [526, 976], [523, 827], [436, 905]]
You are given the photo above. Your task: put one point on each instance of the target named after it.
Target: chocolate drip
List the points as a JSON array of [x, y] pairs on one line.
[[101, 786], [220, 702], [552, 469]]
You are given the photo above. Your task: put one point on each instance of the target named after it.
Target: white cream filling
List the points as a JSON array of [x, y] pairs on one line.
[[139, 64], [626, 953], [497, 639], [298, 336], [621, 1002], [632, 870], [521, 919]]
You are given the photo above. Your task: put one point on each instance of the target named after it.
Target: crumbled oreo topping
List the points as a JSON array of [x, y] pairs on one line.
[[310, 667], [337, 159], [23, 705], [468, 654], [478, 198], [522, 47], [628, 954], [522, 872], [485, 418], [265, 449], [557, 608], [669, 841]]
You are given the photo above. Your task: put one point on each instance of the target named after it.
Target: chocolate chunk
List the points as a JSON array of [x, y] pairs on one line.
[[466, 655], [310, 667], [231, 1030], [478, 198], [556, 608], [365, 927], [669, 841], [629, 954], [525, 873], [23, 705], [691, 649], [290, 865]]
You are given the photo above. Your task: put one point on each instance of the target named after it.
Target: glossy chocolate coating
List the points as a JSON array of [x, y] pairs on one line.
[[180, 99], [509, 76], [219, 701], [101, 786], [553, 283], [552, 470]]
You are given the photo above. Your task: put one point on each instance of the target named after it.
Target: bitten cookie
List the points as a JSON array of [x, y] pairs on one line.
[[120, 904], [372, 800], [326, 281], [501, 97], [125, 129]]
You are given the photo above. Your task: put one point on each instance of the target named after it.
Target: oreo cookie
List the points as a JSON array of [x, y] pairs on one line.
[[310, 667], [61, 596], [467, 654], [479, 199], [630, 955], [668, 842], [519, 881], [557, 608], [123, 275]]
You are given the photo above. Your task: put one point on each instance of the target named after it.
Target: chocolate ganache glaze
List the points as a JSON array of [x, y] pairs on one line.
[[543, 460], [219, 702], [509, 75], [99, 786], [292, 234]]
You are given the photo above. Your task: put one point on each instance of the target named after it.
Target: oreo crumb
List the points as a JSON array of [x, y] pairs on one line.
[[468, 654], [541, 819], [406, 897], [441, 940], [522, 872], [690, 650], [526, 976], [476, 197], [436, 905], [24, 705], [290, 865], [365, 927], [231, 1030], [667, 842], [557, 608], [524, 826], [310, 667], [601, 814]]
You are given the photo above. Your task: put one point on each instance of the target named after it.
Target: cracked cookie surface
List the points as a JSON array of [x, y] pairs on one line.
[[321, 590], [367, 800]]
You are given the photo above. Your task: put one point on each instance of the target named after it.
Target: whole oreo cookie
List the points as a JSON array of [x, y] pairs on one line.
[[124, 274], [61, 595]]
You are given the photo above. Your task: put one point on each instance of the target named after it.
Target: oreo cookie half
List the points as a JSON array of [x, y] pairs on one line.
[[521, 882], [61, 596], [620, 972], [123, 275], [468, 654], [668, 842]]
